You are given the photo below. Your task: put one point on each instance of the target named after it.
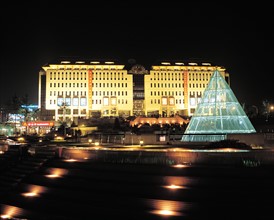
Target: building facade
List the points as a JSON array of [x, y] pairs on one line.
[[73, 89], [174, 88]]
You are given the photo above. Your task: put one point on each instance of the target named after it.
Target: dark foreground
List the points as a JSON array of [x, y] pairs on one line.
[[88, 189]]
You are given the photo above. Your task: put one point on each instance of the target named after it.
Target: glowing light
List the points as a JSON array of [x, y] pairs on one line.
[[56, 172], [179, 63], [59, 138], [8, 212], [30, 194], [95, 62], [21, 139], [5, 216], [174, 187], [96, 143], [165, 63], [109, 62], [70, 160], [166, 212], [206, 64], [180, 166], [52, 175]]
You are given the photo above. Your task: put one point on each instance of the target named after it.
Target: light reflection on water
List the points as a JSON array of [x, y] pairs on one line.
[[9, 212], [166, 207], [56, 172], [173, 186], [177, 180], [173, 190]]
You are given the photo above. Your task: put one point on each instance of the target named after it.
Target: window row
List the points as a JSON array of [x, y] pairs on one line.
[[167, 74], [169, 79], [68, 85], [68, 93], [197, 85], [115, 93], [114, 78], [195, 94], [99, 74], [166, 85], [169, 93], [68, 76], [200, 76], [106, 101], [166, 101], [68, 111], [109, 85], [65, 102]]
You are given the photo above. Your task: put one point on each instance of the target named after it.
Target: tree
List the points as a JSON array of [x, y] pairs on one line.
[[14, 104], [116, 125], [250, 110], [266, 109], [64, 122]]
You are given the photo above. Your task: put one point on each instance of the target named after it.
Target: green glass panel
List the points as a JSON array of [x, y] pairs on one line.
[[218, 113]]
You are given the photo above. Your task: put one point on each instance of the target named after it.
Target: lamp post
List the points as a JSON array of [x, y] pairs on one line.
[[269, 110]]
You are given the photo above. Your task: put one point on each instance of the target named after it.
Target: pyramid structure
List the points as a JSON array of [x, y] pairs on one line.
[[218, 114]]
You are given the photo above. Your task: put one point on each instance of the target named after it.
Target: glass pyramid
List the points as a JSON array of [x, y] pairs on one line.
[[218, 113]]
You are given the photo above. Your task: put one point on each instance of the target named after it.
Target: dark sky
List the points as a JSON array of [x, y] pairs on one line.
[[238, 37]]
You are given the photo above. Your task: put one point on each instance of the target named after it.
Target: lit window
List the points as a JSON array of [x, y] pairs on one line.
[[75, 101], [171, 101], [83, 101], [164, 101], [105, 101], [113, 101], [192, 101], [68, 101], [60, 101]]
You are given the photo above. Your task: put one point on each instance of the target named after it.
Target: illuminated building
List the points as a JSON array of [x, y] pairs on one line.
[[177, 87], [69, 88]]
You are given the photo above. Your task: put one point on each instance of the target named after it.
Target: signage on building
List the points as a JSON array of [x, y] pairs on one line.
[[39, 123]]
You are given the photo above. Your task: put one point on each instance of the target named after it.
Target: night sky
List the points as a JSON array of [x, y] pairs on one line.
[[240, 38]]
